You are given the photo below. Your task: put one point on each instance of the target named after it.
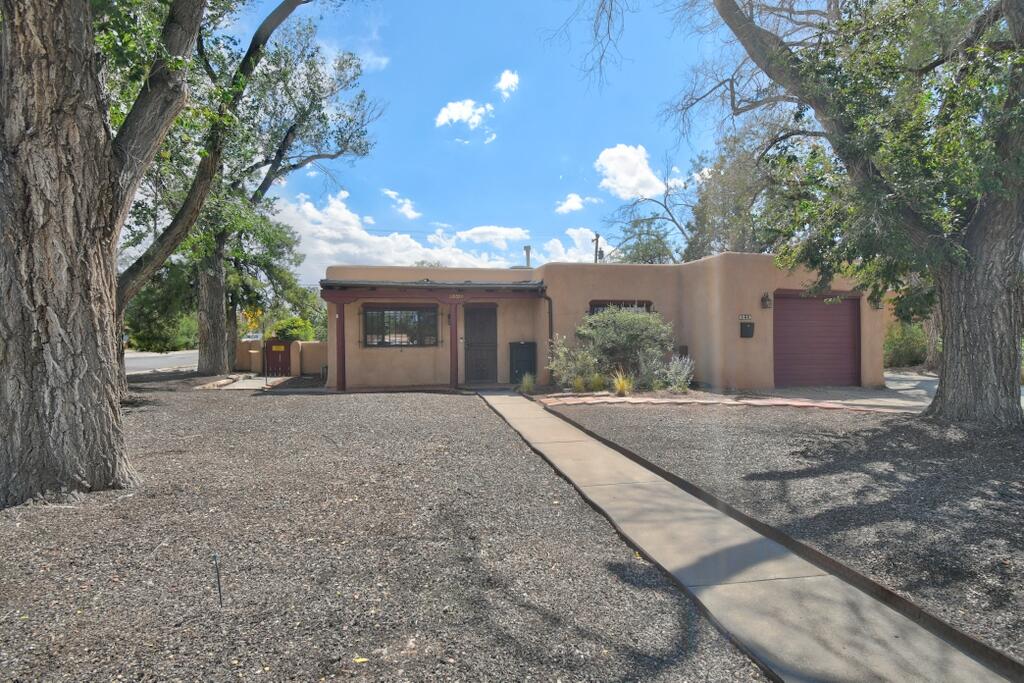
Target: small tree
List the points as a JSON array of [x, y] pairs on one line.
[[625, 340], [294, 329]]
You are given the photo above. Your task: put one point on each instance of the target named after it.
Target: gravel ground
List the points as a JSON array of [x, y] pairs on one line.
[[374, 537], [932, 512]]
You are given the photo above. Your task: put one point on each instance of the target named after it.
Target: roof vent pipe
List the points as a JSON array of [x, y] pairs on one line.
[[526, 249]]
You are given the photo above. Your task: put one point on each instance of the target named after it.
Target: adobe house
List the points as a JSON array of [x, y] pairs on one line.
[[746, 323]]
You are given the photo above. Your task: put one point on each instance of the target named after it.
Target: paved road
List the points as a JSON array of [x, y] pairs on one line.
[[144, 361]]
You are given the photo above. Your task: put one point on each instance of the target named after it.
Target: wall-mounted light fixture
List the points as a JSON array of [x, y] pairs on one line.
[[766, 300]]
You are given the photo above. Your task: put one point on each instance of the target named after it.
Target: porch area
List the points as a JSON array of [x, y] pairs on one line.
[[438, 334]]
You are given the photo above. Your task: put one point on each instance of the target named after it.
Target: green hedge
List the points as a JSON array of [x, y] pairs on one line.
[[906, 345]]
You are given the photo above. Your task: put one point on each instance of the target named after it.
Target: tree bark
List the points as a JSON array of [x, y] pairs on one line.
[[211, 290], [59, 401], [933, 334], [980, 364], [232, 329]]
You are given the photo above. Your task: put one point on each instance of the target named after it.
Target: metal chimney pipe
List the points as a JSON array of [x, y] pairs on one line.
[[527, 250]]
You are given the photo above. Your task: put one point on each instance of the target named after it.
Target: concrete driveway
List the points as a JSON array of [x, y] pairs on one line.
[[909, 391]]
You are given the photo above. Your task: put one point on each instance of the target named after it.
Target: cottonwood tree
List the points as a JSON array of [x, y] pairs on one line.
[[229, 96], [66, 183], [296, 114], [646, 240], [73, 153], [920, 105]]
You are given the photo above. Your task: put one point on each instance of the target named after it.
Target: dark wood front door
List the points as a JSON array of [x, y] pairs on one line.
[[481, 344]]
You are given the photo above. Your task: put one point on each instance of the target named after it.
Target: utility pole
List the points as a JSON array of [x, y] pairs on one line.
[[597, 245]]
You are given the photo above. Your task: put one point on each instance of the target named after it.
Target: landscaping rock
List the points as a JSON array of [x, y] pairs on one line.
[[371, 537]]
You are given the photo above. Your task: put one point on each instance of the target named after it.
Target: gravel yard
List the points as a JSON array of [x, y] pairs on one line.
[[397, 537], [934, 513]]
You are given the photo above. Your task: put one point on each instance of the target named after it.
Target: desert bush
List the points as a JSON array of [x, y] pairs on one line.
[[625, 340], [579, 385], [528, 384], [622, 384], [294, 329], [678, 374], [906, 344], [597, 382], [568, 362]]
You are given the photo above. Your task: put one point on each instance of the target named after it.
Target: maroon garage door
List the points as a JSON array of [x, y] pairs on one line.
[[816, 343]]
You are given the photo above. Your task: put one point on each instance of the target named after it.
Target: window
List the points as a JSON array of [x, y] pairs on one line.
[[634, 305], [400, 325]]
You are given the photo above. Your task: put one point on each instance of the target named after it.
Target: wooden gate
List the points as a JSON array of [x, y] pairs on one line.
[[277, 358]]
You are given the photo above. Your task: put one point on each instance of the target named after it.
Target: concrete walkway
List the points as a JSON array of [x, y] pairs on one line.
[[799, 621]]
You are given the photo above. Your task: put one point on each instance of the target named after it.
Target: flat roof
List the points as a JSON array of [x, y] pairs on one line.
[[522, 285]]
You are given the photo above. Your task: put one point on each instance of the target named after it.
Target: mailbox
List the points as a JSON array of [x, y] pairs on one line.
[[746, 330]]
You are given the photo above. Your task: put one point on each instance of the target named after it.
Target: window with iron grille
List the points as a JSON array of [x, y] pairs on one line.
[[634, 305], [400, 325]]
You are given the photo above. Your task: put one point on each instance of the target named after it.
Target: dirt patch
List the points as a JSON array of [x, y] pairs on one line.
[[375, 537], [933, 512]]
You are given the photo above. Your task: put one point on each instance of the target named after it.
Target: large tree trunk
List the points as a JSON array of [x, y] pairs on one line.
[[933, 338], [981, 331], [213, 334], [58, 215], [232, 328]]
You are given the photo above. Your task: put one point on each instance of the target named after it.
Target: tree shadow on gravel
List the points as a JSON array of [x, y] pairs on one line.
[[933, 504], [501, 606]]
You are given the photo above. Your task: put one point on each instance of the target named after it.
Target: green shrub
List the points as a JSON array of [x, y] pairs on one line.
[[568, 362], [678, 374], [528, 383], [294, 329], [625, 340], [598, 382], [906, 344], [579, 385], [622, 384]]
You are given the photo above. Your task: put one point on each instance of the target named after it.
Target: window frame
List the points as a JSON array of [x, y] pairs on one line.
[[397, 308], [626, 304]]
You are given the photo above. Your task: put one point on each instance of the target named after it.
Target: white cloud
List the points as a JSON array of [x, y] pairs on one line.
[[334, 234], [627, 174], [507, 83], [496, 235], [465, 111], [574, 202], [312, 173], [461, 141], [490, 137], [580, 249], [372, 61], [369, 220], [402, 205]]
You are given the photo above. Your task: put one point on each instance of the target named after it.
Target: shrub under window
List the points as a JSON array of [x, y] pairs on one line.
[[400, 325]]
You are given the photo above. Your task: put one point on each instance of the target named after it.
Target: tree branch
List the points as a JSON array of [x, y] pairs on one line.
[[782, 137], [771, 54], [985, 19], [138, 273], [204, 59], [158, 103]]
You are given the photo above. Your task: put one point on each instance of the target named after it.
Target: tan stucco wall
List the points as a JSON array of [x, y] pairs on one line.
[[313, 356], [702, 300], [718, 289], [398, 366]]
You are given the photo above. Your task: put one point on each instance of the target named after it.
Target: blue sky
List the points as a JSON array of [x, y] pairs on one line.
[[466, 172]]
